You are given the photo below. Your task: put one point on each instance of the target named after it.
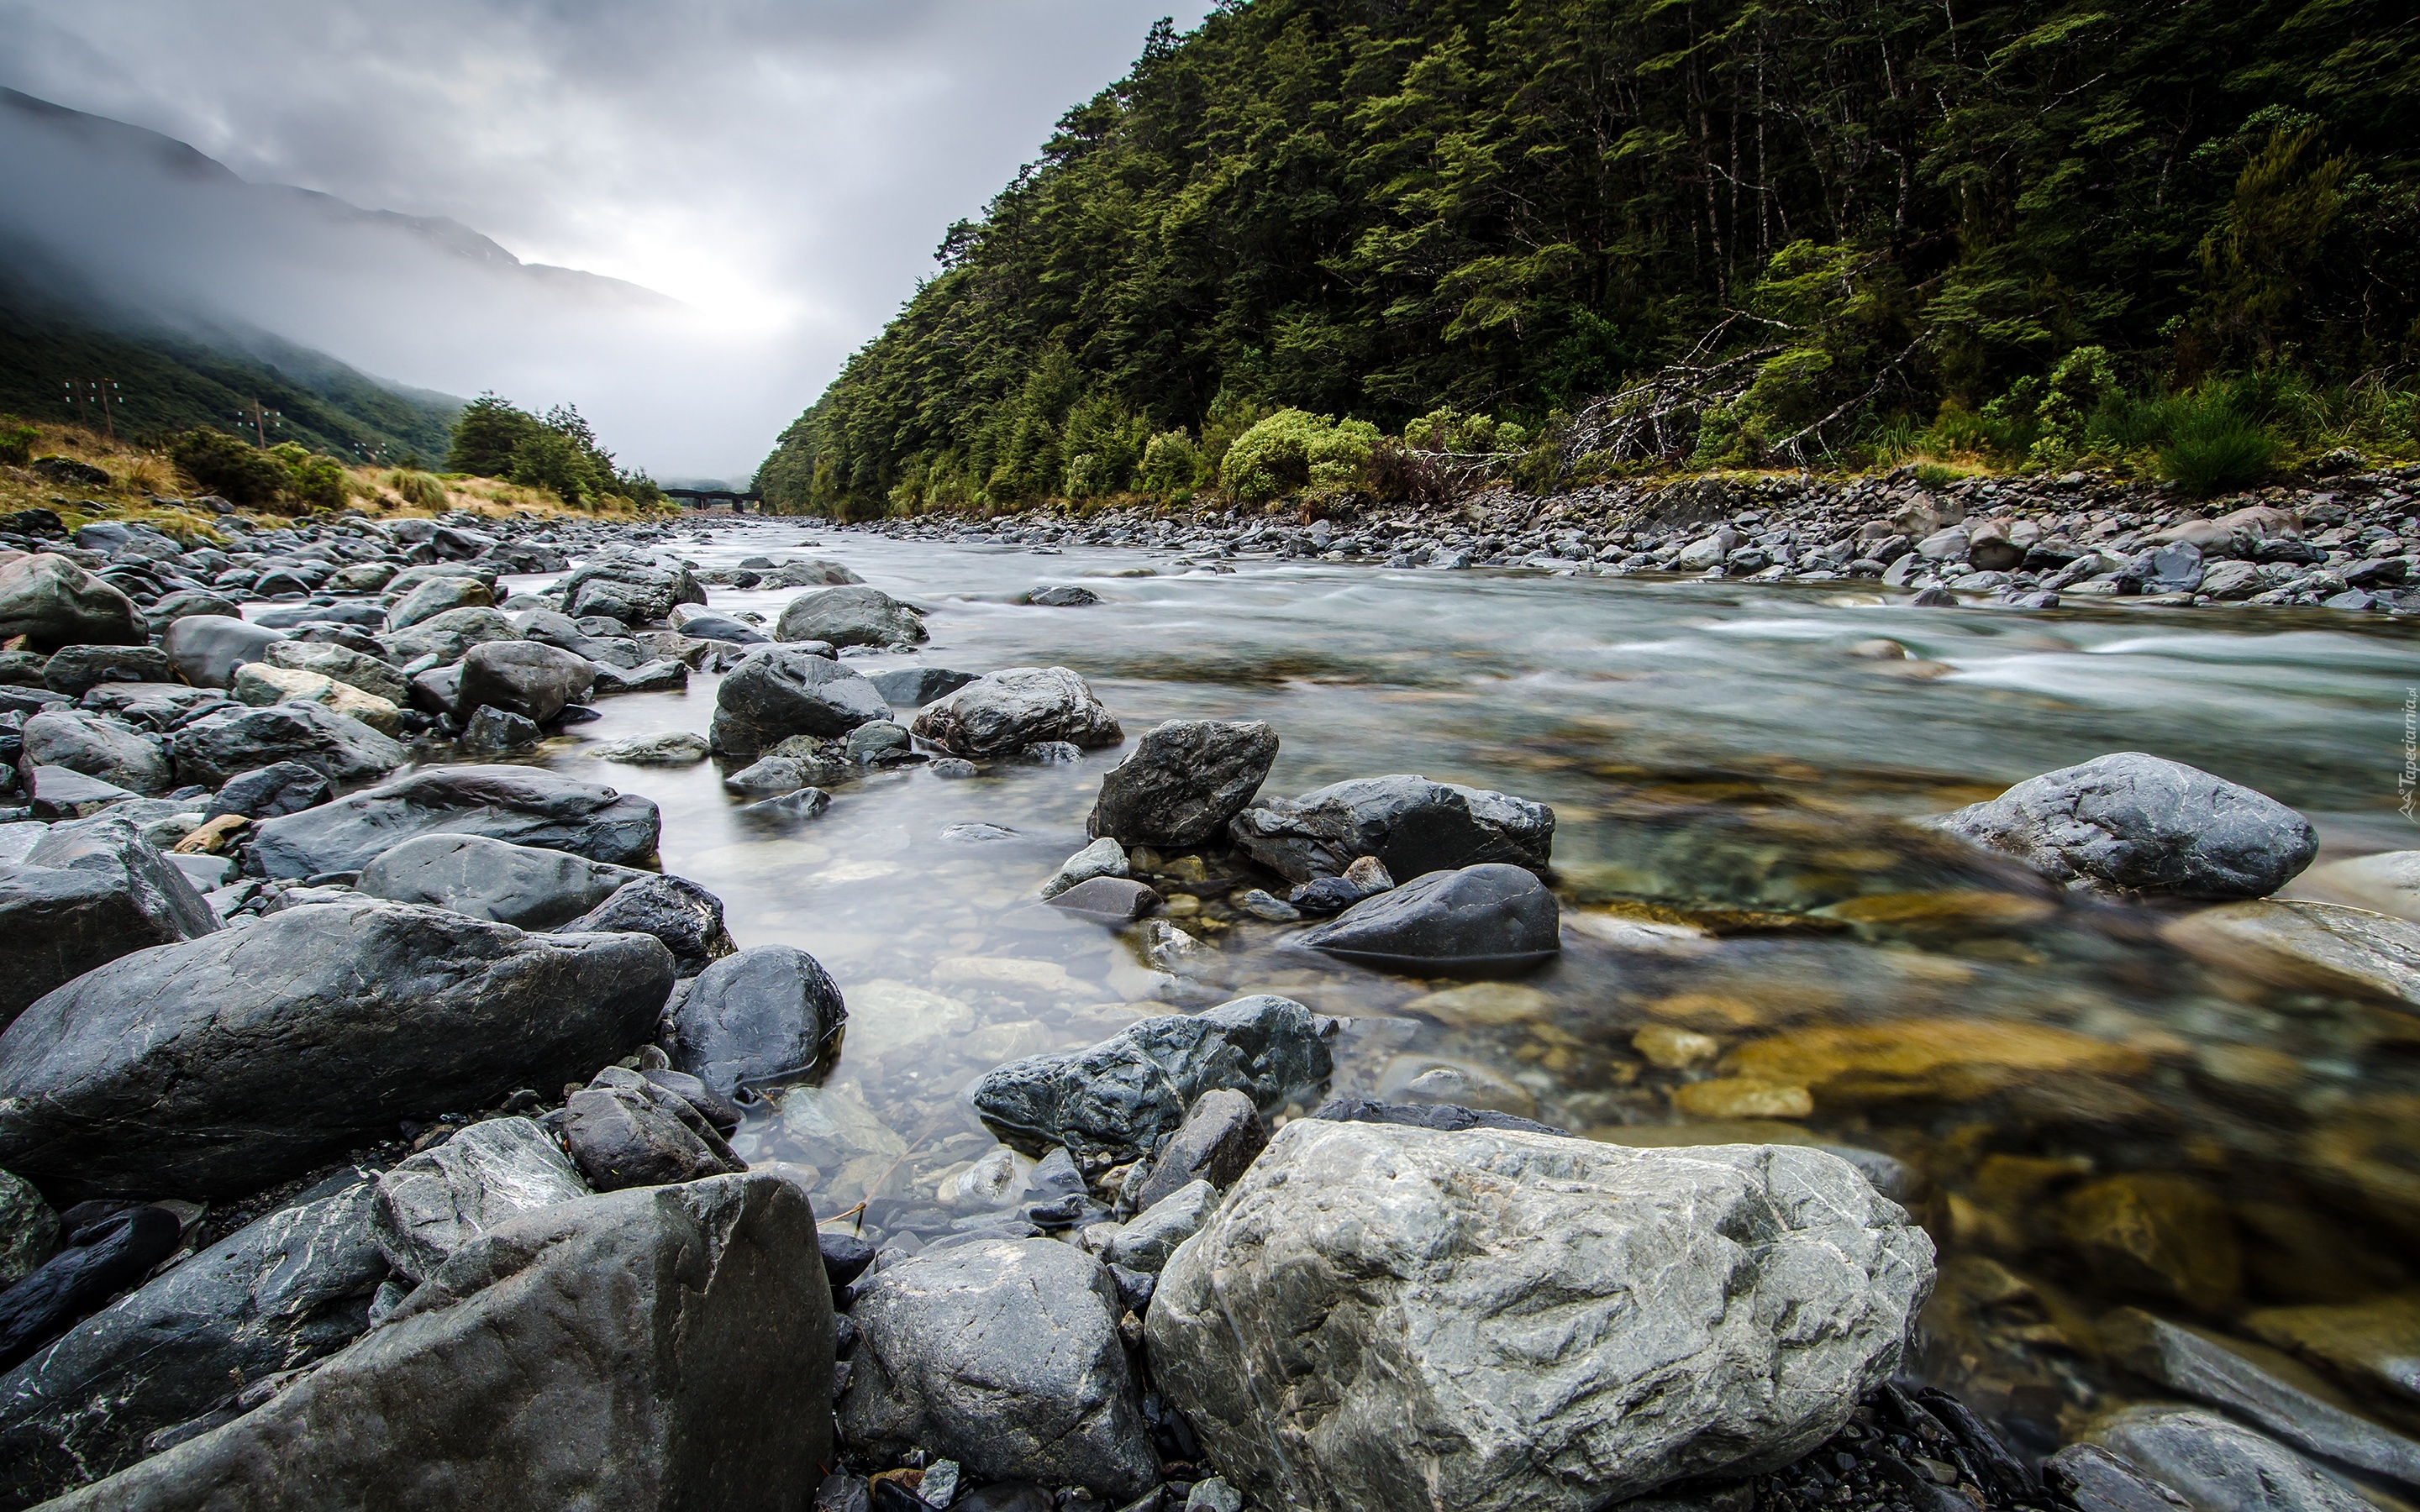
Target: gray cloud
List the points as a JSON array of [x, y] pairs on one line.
[[783, 169]]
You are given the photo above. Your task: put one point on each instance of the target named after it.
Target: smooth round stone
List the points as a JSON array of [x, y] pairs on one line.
[[1110, 899]]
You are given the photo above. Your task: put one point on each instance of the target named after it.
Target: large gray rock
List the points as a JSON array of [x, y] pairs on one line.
[[2094, 1479], [435, 1202], [1183, 782], [524, 885], [629, 589], [433, 596], [229, 1063], [669, 1347], [1381, 1316], [1145, 1244], [1479, 921], [53, 603], [1221, 1136], [341, 663], [686, 917], [208, 648], [2128, 823], [524, 805], [96, 747], [84, 896], [912, 687], [448, 636], [776, 692], [1005, 1356], [77, 670], [1121, 1095], [279, 1293], [1411, 824], [2221, 1466], [622, 1130], [1001, 713], [220, 746], [768, 1013], [522, 677], [852, 616]]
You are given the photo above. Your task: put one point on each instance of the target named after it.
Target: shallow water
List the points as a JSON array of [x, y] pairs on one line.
[[1710, 748]]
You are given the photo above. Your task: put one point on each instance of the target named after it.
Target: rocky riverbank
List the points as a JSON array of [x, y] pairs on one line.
[[382, 1126]]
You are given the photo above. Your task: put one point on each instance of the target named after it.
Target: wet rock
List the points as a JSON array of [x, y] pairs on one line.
[[707, 626], [2221, 1466], [762, 1015], [1950, 1059], [628, 589], [2385, 883], [912, 687], [490, 731], [624, 1130], [1482, 920], [677, 748], [29, 1230], [63, 792], [1004, 712], [1104, 858], [435, 1202], [777, 691], [523, 677], [523, 886], [343, 664], [2373, 1344], [1411, 824], [278, 1294], [1145, 1244], [76, 669], [2302, 947], [101, 1259], [259, 686], [1109, 900], [851, 616], [347, 752], [53, 603], [150, 1074], [1121, 1095], [794, 807], [523, 805], [878, 743], [207, 649], [97, 748], [1222, 1135], [677, 911], [664, 1347], [84, 896], [2093, 1479], [1003, 1355], [1362, 1277], [433, 596], [2133, 823], [1066, 595], [658, 676], [1183, 782], [2156, 1233], [773, 774]]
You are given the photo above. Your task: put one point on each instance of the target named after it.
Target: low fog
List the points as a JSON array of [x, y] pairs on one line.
[[748, 189]]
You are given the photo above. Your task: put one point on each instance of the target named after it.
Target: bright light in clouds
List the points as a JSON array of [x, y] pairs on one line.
[[784, 167]]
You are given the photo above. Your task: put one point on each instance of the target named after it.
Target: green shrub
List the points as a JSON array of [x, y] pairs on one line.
[[1449, 430], [1292, 450], [320, 482], [17, 444], [2212, 444], [1170, 464], [229, 467], [2082, 381], [418, 489]]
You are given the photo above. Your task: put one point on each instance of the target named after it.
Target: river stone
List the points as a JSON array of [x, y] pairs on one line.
[[1145, 1244], [171, 608], [1005, 1356], [850, 616], [2093, 1479], [97, 748], [1382, 1316], [63, 792], [1183, 782], [151, 1073], [1411, 824], [523, 677], [29, 1230], [524, 885], [433, 596], [1121, 1095], [207, 649], [1108, 900], [912, 687], [677, 747], [684, 916], [490, 731], [2221, 1466], [524, 805], [76, 669], [624, 1130], [82, 897], [2387, 882], [2131, 822], [101, 1258], [268, 792], [259, 684], [1482, 920], [1001, 713], [1104, 858], [768, 1012], [669, 1347], [277, 1294], [776, 692], [704, 625], [629, 589], [1221, 1136], [433, 1203], [53, 603], [219, 745], [2300, 947]]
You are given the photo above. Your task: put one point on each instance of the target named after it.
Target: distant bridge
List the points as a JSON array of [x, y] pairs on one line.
[[712, 498]]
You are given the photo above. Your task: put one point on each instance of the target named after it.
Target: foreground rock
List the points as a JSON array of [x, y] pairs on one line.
[[1411, 824], [1121, 1095], [1183, 782], [851, 616], [766, 1014], [52, 602], [151, 1073], [1221, 1136], [2221, 1466], [221, 746], [97, 748], [1003, 1355], [2128, 823], [684, 916], [624, 1131], [664, 1347], [1344, 1334], [434, 1203], [85, 895], [103, 1257], [524, 885], [777, 691], [1004, 712], [208, 648], [1483, 920], [2300, 947], [521, 803], [523, 677]]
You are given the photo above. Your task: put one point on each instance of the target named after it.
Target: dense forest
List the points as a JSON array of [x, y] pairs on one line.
[[1606, 234]]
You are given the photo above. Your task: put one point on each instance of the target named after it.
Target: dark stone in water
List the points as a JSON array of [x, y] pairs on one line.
[[1109, 899], [912, 687], [1411, 824], [1482, 920], [624, 1130], [98, 1262], [684, 916], [267, 792], [758, 1016], [521, 803]]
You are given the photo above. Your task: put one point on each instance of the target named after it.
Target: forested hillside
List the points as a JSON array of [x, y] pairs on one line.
[[1779, 233]]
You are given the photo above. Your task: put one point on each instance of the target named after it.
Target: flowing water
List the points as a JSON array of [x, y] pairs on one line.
[[1756, 942]]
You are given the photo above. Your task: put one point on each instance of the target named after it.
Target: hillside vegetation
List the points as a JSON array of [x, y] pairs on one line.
[[1568, 238]]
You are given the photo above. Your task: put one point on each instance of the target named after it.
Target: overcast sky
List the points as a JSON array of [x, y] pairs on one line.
[[785, 166]]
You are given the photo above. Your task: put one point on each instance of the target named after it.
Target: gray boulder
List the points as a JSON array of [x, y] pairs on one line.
[[658, 676], [433, 596], [1221, 1136], [1121, 1095], [448, 636], [490, 731], [707, 626], [2130, 823], [776, 692], [1005, 1356], [220, 746], [1145, 1244], [76, 669], [524, 805], [669, 1347], [341, 663], [768, 1013], [84, 896], [1001, 713], [630, 590], [435, 1202], [522, 677], [1381, 1316], [52, 602], [267, 792], [229, 1063], [96, 747], [2221, 1466], [524, 885], [208, 648], [1480, 920], [1183, 783], [2094, 1479], [624, 1131], [912, 687], [684, 916], [1411, 824], [850, 616]]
